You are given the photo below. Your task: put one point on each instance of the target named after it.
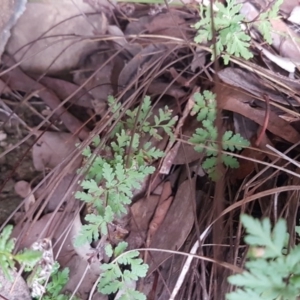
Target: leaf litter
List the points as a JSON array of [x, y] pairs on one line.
[[70, 64]]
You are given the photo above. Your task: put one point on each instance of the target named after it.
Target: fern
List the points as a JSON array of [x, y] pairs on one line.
[[109, 184], [205, 138], [58, 281], [108, 187], [114, 279], [229, 25], [27, 257], [270, 272], [263, 22]]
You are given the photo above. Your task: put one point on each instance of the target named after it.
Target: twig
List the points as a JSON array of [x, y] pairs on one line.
[[266, 121]]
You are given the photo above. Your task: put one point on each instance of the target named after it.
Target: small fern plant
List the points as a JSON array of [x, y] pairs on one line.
[[28, 258], [109, 182], [58, 280], [114, 279], [205, 137], [230, 26], [271, 272]]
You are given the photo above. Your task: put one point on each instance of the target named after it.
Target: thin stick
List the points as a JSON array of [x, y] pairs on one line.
[[266, 121]]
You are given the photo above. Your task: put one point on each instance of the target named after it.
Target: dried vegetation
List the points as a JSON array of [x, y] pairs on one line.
[[61, 64]]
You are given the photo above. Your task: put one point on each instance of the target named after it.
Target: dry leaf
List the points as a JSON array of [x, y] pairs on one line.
[[121, 43], [176, 226], [63, 89], [141, 214], [58, 192], [138, 63], [238, 102], [288, 5], [251, 83], [100, 86], [285, 40], [53, 148], [43, 35], [4, 89], [137, 26], [169, 24], [23, 189], [18, 80], [164, 203], [157, 87]]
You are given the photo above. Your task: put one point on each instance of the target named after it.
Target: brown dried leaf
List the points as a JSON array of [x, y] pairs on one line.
[[100, 85], [139, 63], [57, 192], [288, 5], [169, 24], [53, 148], [246, 166], [121, 43], [236, 101], [141, 212], [165, 201], [23, 189], [53, 21], [176, 226], [137, 26], [4, 89], [18, 80], [251, 83], [158, 88], [63, 89]]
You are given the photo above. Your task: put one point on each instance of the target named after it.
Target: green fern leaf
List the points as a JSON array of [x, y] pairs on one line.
[[230, 161], [108, 250], [209, 163], [238, 45], [28, 257], [244, 294], [233, 142], [260, 234], [131, 294], [265, 27], [121, 247]]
